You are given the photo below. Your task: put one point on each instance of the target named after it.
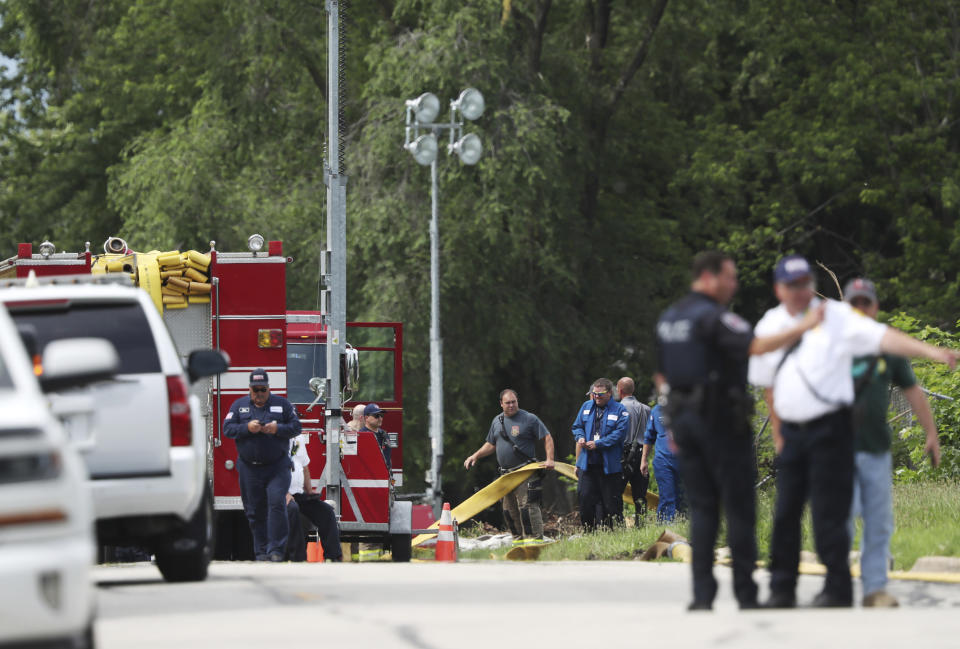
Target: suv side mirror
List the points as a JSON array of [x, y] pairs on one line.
[[206, 362], [73, 362]]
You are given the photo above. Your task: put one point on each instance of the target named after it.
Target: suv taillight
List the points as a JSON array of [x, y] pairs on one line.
[[181, 431]]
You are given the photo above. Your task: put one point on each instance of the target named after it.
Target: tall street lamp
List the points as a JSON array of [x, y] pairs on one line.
[[421, 137]]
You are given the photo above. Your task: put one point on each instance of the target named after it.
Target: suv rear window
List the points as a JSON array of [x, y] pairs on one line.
[[122, 323]]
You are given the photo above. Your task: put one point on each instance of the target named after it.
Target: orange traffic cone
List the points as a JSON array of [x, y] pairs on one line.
[[446, 544], [314, 551]]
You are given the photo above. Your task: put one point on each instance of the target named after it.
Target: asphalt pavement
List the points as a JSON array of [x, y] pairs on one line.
[[491, 605]]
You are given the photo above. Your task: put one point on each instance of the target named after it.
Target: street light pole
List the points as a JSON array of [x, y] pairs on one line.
[[421, 113], [434, 491]]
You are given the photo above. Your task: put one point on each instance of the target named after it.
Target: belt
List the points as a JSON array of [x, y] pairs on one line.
[[822, 419], [258, 463]]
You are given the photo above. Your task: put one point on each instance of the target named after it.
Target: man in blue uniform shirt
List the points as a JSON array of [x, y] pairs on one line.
[[703, 350], [599, 429], [262, 425], [665, 466]]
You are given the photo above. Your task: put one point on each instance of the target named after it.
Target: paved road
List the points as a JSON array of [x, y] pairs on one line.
[[494, 605]]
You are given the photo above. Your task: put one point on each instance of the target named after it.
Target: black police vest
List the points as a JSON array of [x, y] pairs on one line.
[[686, 360]]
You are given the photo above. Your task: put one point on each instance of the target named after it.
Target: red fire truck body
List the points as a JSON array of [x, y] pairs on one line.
[[246, 317]]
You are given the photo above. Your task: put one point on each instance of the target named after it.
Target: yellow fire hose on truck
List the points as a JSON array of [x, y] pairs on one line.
[[173, 279], [496, 490]]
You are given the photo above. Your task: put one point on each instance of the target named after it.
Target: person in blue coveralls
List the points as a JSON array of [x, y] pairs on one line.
[[599, 429], [665, 466], [262, 425]]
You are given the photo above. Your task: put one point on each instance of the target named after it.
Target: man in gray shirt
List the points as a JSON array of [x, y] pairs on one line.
[[633, 447], [513, 435]]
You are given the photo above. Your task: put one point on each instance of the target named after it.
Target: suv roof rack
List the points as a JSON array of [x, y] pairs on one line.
[[121, 279]]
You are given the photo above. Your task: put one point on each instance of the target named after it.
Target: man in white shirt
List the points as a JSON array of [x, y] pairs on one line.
[[809, 389]]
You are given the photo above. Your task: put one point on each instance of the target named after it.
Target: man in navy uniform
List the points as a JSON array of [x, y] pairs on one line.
[[810, 390], [262, 425], [703, 350], [599, 429]]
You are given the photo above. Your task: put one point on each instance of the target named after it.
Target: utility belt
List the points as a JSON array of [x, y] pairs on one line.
[[534, 483], [731, 407], [514, 468]]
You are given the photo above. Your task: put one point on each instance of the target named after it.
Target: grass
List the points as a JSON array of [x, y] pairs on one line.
[[926, 517]]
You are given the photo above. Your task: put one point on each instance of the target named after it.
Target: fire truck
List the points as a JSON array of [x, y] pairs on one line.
[[236, 302]]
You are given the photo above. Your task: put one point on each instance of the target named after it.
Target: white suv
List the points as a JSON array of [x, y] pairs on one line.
[[46, 524], [146, 448]]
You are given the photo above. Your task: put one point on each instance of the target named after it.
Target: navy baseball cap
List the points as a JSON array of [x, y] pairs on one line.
[[371, 409], [860, 287], [791, 268], [259, 377]]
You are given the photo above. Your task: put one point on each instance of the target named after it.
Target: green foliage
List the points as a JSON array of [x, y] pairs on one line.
[[619, 138], [909, 438]]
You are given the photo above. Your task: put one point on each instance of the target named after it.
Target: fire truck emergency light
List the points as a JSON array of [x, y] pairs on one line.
[[270, 338], [255, 242]]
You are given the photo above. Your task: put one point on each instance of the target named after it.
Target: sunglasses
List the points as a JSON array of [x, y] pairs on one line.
[[260, 389], [600, 394], [379, 415]]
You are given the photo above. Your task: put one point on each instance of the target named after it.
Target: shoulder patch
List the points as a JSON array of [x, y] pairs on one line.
[[230, 415], [734, 323]]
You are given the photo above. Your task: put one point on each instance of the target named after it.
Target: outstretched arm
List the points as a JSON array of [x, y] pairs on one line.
[[483, 451], [896, 342], [811, 319]]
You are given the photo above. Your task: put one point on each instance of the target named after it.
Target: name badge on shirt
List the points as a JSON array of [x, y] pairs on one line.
[[276, 408], [612, 417], [244, 411], [586, 412]]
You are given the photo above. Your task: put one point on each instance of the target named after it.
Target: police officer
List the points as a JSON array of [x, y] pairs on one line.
[[703, 350], [262, 425], [599, 429]]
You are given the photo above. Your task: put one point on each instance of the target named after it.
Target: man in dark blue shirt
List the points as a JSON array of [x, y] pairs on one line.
[[262, 425]]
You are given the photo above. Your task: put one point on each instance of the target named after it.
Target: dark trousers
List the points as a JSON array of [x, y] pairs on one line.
[[816, 464], [669, 488], [600, 493], [718, 469], [639, 484], [324, 518], [263, 489]]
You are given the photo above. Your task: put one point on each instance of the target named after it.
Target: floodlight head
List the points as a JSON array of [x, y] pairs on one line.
[[423, 149], [255, 242], [470, 104], [426, 107], [469, 148]]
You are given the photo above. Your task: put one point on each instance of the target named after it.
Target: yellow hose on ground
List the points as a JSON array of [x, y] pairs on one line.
[[496, 490]]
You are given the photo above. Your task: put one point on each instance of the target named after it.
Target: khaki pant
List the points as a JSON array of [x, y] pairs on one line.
[[523, 517]]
